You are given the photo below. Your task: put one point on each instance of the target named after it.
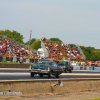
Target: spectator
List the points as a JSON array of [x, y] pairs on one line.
[[1, 56]]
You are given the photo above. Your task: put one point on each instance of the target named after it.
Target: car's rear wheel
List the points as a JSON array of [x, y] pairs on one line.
[[65, 70], [41, 75], [32, 74], [49, 75], [57, 75], [70, 71]]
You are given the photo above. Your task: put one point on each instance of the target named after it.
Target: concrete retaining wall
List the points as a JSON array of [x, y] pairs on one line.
[[43, 87], [6, 65]]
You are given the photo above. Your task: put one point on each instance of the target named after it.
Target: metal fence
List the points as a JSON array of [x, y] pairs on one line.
[[81, 52], [15, 59]]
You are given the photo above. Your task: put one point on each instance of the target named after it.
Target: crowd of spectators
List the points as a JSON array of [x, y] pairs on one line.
[[54, 51], [9, 50], [71, 53]]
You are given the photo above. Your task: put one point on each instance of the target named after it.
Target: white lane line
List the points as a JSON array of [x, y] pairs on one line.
[[14, 68], [28, 69], [87, 70], [79, 74], [60, 74], [14, 73]]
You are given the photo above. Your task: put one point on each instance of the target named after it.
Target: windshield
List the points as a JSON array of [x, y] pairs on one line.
[[45, 63], [61, 63], [67, 63]]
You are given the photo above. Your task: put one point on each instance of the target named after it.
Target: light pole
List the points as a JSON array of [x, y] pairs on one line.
[[29, 39]]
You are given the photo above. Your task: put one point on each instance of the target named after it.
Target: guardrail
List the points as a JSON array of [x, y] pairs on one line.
[[29, 59]]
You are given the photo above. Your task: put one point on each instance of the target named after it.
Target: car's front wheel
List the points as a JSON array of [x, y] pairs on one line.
[[57, 76], [32, 74]]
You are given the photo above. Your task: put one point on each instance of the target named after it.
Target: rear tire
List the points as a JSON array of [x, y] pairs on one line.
[[32, 74], [70, 71], [65, 70], [41, 75], [57, 76], [49, 75]]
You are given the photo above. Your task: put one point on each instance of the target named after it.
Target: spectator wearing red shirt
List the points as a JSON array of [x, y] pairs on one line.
[[5, 40]]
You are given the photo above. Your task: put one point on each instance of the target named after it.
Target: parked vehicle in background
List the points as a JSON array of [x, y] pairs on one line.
[[66, 65], [43, 67]]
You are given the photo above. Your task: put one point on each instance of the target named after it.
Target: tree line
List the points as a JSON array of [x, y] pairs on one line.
[[13, 35], [91, 53]]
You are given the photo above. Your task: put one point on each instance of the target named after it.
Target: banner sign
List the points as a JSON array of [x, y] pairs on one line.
[[76, 67], [82, 68], [89, 68], [97, 68], [27, 60], [4, 59], [14, 59]]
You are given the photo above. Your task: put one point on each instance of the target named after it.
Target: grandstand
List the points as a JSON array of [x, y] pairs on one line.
[[61, 51], [11, 49]]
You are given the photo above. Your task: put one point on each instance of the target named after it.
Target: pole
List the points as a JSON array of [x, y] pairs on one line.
[[30, 41]]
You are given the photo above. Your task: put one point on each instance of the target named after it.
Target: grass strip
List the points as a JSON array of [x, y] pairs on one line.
[[93, 99]]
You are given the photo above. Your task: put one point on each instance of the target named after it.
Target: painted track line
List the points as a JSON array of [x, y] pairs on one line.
[[60, 74], [28, 69], [14, 68]]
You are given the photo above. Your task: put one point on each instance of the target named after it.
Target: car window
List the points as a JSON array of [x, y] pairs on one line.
[[55, 64], [45, 63], [41, 63], [50, 63], [61, 63], [67, 63]]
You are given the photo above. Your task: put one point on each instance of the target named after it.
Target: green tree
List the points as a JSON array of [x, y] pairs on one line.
[[55, 39], [13, 35], [91, 53], [36, 44], [32, 40]]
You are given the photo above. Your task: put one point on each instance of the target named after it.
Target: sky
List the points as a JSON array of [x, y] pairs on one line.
[[72, 21]]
